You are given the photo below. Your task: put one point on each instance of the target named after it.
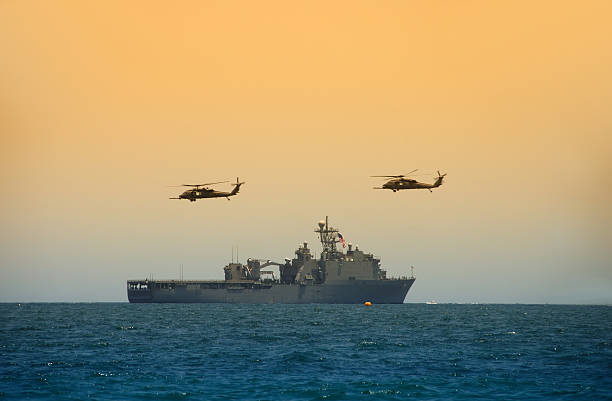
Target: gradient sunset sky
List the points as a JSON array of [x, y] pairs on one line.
[[105, 104]]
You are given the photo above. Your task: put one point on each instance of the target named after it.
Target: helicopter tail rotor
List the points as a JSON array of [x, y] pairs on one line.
[[439, 180], [237, 186]]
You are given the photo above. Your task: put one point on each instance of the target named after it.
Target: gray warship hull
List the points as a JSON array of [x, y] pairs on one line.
[[391, 291], [336, 277]]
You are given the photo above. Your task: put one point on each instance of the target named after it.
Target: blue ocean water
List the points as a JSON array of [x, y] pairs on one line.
[[126, 351]]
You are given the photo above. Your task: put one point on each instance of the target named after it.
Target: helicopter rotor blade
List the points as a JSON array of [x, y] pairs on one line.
[[396, 176], [202, 185]]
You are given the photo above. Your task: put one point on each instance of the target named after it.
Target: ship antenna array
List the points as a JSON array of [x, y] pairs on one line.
[[328, 235], [233, 253]]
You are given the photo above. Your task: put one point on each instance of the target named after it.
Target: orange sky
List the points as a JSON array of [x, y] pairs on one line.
[[103, 105]]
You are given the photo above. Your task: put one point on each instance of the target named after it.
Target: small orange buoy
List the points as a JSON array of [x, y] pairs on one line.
[[367, 303]]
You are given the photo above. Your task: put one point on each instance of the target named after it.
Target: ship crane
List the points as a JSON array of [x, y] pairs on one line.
[[261, 263], [254, 267], [270, 263]]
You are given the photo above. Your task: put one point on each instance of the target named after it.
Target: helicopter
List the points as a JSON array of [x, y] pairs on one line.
[[398, 182], [201, 191]]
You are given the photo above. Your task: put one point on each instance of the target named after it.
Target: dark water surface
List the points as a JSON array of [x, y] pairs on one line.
[[305, 352]]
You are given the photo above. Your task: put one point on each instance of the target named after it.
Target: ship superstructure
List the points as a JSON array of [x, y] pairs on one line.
[[335, 277]]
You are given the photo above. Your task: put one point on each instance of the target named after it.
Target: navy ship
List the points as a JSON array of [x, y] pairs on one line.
[[336, 277]]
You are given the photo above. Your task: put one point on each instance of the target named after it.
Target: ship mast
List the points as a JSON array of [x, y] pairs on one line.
[[328, 235]]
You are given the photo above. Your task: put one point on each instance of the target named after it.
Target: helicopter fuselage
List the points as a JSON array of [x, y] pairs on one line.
[[193, 194], [203, 192], [398, 184]]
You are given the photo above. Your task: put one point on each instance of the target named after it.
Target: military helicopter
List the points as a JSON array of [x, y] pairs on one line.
[[201, 191], [398, 182]]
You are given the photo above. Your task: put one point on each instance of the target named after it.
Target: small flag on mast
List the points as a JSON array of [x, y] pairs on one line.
[[342, 240]]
